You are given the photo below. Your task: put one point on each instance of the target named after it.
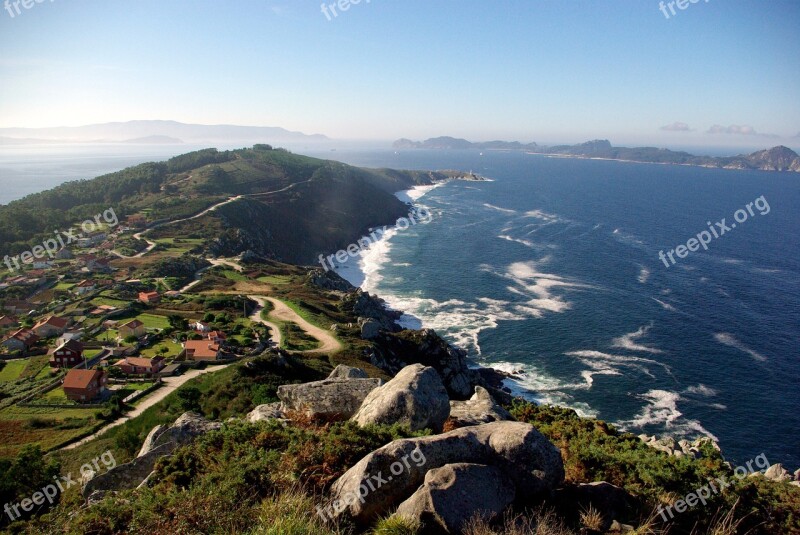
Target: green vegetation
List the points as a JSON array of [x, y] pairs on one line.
[[13, 369]]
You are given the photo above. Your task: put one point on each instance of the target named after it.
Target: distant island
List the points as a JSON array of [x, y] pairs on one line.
[[778, 158]]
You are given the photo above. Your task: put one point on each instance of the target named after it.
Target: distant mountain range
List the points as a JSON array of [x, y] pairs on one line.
[[778, 158], [154, 132]]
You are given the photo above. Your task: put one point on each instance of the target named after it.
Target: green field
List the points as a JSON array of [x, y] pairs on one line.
[[13, 369], [234, 275], [153, 351], [275, 279], [98, 301], [151, 321]]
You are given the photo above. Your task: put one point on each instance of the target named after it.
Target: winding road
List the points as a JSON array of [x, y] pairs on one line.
[[282, 312]]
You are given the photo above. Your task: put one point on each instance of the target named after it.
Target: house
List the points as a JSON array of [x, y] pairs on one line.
[[64, 254], [66, 337], [204, 350], [84, 385], [42, 264], [172, 370], [132, 328], [67, 355], [50, 327], [84, 287], [217, 337], [8, 321], [200, 326], [141, 366], [15, 306], [99, 264], [22, 340], [149, 297]]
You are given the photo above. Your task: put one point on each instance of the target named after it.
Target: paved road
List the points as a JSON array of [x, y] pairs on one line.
[[170, 385]]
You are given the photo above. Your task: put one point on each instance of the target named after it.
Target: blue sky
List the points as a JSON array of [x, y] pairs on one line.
[[545, 71]]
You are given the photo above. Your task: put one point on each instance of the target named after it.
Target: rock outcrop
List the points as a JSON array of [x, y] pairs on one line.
[[523, 455], [678, 448], [416, 397], [394, 351], [336, 398], [160, 442], [270, 411], [481, 408], [456, 493]]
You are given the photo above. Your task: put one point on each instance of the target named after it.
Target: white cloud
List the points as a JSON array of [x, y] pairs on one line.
[[677, 127]]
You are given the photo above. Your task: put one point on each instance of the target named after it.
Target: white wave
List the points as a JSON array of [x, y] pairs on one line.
[[417, 192], [544, 216], [701, 390], [628, 341], [644, 275], [665, 306], [731, 341], [526, 243], [662, 410], [499, 209], [600, 361], [531, 383]]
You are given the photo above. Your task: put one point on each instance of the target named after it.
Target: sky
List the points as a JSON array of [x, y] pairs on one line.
[[721, 73]]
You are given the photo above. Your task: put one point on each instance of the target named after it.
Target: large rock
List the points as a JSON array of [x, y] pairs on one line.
[[185, 428], [330, 399], [348, 372], [416, 397], [160, 442], [456, 493], [270, 411], [525, 457], [479, 409], [777, 472], [370, 329]]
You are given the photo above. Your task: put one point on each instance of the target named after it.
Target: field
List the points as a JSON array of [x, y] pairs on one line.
[[12, 370], [154, 351], [47, 427]]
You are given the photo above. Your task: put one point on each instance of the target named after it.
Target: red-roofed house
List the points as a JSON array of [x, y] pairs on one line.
[[201, 350], [217, 336], [141, 366], [67, 355], [132, 328], [84, 287], [22, 340], [50, 326], [149, 297], [84, 385]]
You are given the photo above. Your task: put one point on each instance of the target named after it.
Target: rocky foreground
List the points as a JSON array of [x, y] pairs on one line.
[[477, 462]]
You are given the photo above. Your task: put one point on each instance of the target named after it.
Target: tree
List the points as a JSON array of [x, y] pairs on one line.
[[177, 322], [189, 399]]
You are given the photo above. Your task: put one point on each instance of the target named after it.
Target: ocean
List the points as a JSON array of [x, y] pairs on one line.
[[551, 271]]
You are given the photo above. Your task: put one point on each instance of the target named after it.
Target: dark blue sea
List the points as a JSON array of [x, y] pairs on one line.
[[552, 271]]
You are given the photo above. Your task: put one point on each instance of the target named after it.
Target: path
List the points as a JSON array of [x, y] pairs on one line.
[[170, 385], [281, 311], [256, 317]]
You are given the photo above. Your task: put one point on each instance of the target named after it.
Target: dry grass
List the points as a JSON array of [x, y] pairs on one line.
[[592, 519], [725, 523], [540, 522]]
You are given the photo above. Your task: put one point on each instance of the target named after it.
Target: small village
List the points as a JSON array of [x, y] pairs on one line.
[[76, 333]]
